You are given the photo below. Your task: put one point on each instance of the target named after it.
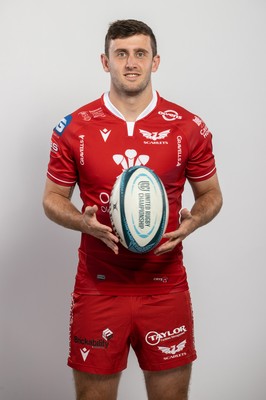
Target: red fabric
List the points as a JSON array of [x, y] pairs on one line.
[[160, 343], [91, 147]]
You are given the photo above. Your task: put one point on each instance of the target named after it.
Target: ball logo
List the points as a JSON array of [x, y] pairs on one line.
[[144, 186]]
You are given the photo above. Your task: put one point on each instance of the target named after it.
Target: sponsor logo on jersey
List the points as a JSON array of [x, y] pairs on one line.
[[59, 129], [85, 115], [81, 149], [130, 159], [153, 337], [94, 343], [170, 115], [179, 150], [197, 120], [163, 279], [155, 137], [105, 133], [98, 113], [107, 334], [204, 131], [54, 147]]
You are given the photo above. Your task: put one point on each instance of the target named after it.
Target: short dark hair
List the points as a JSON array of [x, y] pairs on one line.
[[129, 27]]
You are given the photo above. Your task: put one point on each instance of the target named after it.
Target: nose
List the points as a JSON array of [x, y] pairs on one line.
[[131, 62]]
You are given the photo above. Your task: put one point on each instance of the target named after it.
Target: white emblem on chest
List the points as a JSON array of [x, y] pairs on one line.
[[130, 159]]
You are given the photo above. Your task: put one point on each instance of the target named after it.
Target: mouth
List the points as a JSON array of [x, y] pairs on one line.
[[131, 75]]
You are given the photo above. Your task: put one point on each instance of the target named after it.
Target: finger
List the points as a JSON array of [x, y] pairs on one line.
[[169, 245], [91, 210], [111, 245], [112, 237], [172, 235], [103, 232], [163, 249], [166, 247]]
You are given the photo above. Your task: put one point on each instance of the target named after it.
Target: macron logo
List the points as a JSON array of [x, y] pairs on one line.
[[84, 352], [105, 133]]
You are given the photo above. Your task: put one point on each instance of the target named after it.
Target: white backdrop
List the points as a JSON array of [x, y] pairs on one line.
[[213, 63]]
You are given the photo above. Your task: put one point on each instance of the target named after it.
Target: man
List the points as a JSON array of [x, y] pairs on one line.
[[121, 298]]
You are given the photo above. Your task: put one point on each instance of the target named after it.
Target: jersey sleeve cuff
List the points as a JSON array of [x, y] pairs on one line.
[[63, 182], [202, 177]]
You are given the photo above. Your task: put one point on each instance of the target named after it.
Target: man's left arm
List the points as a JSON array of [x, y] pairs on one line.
[[208, 202]]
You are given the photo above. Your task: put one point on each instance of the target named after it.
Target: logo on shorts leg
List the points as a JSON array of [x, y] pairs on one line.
[[153, 337], [175, 351], [176, 348], [84, 352], [93, 343], [107, 334]]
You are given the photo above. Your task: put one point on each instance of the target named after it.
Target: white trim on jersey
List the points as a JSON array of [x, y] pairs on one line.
[[117, 113], [150, 107], [202, 176], [130, 128], [60, 180]]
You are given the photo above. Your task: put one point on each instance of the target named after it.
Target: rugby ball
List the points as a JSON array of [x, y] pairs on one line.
[[139, 209]]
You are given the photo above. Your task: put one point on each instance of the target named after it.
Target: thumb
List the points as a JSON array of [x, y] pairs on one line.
[[184, 214], [90, 210]]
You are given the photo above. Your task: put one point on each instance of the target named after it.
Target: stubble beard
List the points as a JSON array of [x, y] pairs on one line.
[[130, 90]]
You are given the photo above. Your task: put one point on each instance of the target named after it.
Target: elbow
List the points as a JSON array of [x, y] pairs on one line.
[[219, 202], [45, 206]]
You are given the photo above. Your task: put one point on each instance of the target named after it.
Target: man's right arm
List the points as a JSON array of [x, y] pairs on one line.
[[59, 208]]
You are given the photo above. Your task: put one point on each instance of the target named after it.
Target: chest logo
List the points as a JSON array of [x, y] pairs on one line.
[[105, 133], [155, 135], [170, 115], [130, 159]]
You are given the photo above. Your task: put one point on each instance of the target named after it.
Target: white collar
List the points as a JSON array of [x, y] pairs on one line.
[[116, 112]]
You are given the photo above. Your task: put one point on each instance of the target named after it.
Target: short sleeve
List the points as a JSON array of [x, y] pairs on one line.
[[62, 167], [201, 161]]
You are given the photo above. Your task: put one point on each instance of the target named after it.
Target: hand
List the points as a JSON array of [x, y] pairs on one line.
[[187, 226], [95, 228]]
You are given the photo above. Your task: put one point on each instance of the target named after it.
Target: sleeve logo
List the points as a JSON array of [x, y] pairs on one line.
[[59, 129]]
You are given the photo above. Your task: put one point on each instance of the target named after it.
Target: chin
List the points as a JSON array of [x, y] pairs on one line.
[[134, 90]]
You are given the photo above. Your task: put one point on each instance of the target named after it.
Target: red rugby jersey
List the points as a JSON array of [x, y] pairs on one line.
[[92, 146]]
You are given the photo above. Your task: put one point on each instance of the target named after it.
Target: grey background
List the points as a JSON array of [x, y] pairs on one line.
[[213, 63]]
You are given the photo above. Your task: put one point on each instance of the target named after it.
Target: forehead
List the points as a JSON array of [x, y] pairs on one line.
[[131, 43]]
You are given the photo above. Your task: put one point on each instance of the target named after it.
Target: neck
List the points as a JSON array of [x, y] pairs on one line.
[[131, 106]]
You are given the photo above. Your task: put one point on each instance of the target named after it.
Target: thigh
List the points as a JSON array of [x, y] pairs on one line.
[[98, 336], [96, 387], [163, 335], [172, 384]]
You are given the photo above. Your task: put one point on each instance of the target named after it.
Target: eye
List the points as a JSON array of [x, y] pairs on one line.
[[140, 54], [121, 54]]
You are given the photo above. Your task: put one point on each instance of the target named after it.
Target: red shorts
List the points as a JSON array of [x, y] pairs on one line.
[[158, 327]]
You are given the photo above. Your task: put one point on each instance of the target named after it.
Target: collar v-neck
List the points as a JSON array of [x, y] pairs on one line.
[[116, 112]]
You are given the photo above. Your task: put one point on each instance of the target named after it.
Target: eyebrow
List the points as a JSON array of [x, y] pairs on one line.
[[135, 50]]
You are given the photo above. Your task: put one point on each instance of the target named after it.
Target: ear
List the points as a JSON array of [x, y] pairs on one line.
[[105, 62], [155, 63]]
